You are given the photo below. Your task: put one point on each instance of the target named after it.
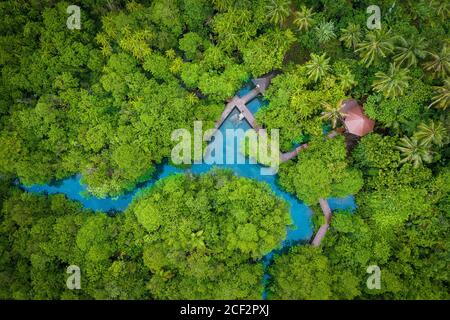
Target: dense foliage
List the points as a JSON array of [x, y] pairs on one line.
[[185, 238], [103, 101], [401, 226], [321, 171]]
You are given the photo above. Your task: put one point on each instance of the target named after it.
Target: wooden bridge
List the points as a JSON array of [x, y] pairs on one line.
[[239, 103], [326, 210], [286, 156]]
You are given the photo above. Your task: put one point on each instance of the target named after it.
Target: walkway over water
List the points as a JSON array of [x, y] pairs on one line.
[[326, 210], [240, 103], [300, 230], [286, 156]]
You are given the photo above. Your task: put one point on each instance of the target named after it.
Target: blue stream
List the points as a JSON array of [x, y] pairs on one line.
[[300, 213]]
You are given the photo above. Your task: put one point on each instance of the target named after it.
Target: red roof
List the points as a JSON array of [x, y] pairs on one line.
[[355, 121]]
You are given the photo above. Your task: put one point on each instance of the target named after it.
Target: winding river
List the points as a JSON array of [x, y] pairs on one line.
[[300, 213]]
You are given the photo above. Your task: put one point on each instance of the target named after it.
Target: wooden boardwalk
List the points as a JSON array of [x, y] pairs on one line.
[[286, 156], [292, 154], [326, 210], [239, 103]]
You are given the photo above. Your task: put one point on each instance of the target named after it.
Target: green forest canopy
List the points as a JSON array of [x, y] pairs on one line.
[[188, 237], [102, 101]]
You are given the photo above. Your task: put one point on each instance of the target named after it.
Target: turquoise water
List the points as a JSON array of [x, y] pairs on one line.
[[244, 90], [75, 190], [300, 213]]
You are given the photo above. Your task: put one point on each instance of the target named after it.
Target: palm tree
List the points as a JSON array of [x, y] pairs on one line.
[[393, 83], [410, 51], [414, 151], [347, 80], [318, 66], [176, 65], [332, 113], [222, 5], [378, 44], [192, 98], [325, 31], [278, 10], [351, 36], [442, 8], [280, 38], [171, 54], [431, 133], [441, 99], [439, 65], [304, 18]]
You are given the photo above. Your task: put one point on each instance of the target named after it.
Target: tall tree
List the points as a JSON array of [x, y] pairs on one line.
[[351, 35], [377, 45], [278, 11], [442, 8], [432, 132], [325, 31], [441, 98], [347, 80], [439, 64], [318, 66], [410, 51], [414, 151], [304, 19], [332, 112], [393, 83]]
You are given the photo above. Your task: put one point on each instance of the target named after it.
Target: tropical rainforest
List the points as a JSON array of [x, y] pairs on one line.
[[103, 100]]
